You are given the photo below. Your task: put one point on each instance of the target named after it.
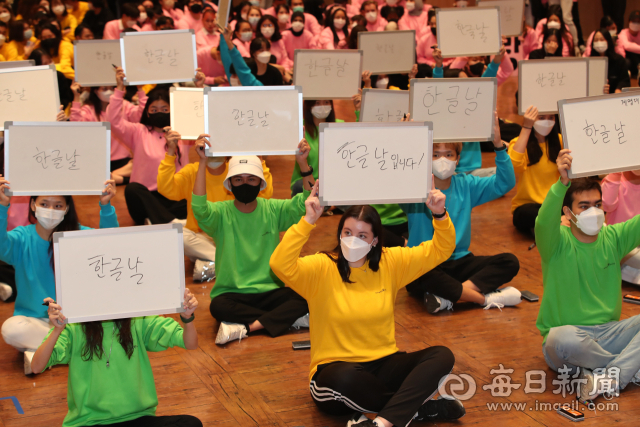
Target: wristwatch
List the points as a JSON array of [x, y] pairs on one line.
[[504, 147], [309, 172], [438, 216], [189, 320]]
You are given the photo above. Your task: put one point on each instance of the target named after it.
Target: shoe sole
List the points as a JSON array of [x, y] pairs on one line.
[[432, 305], [221, 338]]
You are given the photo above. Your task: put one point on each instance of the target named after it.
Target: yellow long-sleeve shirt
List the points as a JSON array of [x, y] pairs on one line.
[[71, 23], [14, 51], [536, 180], [354, 322], [64, 60], [178, 186], [83, 7]]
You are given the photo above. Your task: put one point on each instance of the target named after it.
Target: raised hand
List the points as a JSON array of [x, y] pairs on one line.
[[60, 117], [120, 79], [437, 56], [503, 51], [173, 138], [497, 138], [303, 152], [435, 199], [109, 192], [366, 79], [312, 205], [201, 143], [4, 199], [357, 100], [530, 117], [190, 303], [199, 79], [564, 164], [413, 72], [56, 317]]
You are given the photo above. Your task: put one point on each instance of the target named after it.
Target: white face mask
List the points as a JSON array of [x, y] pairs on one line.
[[143, 17], [321, 111], [5, 17], [382, 83], [246, 36], [58, 10], [553, 25], [264, 57], [2, 39], [443, 168], [297, 26], [634, 26], [589, 221], [461, 3], [131, 24], [600, 47], [84, 96], [339, 23], [371, 16], [613, 33], [268, 31], [243, 16], [28, 34], [283, 18], [49, 218], [543, 127], [410, 6], [105, 95], [253, 20], [353, 248], [234, 81], [216, 162]]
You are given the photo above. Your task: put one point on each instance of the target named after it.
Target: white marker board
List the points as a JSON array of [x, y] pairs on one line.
[[387, 52], [544, 82], [29, 93], [598, 69], [327, 74], [602, 133], [468, 31], [260, 120], [380, 162], [630, 89], [511, 15], [53, 158], [383, 105], [158, 56], [119, 272], [224, 8], [94, 61], [17, 64], [461, 109], [187, 111]]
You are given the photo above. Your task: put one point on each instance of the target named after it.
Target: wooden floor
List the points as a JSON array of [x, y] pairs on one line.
[[261, 381]]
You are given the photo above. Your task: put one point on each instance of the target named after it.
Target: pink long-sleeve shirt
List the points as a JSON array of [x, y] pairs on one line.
[[18, 213], [243, 47], [567, 41], [419, 23], [628, 41], [619, 49], [195, 23], [279, 50], [210, 67], [305, 41], [147, 145], [351, 9], [425, 53], [529, 42], [378, 25], [504, 70], [205, 39], [310, 22], [112, 29], [620, 199], [326, 39]]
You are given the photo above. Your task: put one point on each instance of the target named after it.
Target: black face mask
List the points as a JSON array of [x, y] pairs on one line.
[[159, 120], [195, 8], [49, 44], [477, 69], [245, 193], [434, 31]]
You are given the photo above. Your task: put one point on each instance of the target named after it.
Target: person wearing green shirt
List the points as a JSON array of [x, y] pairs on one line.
[[110, 377], [247, 296], [579, 315]]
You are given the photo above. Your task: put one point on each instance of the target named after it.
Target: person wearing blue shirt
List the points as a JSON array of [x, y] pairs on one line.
[[235, 67], [30, 250], [464, 276]]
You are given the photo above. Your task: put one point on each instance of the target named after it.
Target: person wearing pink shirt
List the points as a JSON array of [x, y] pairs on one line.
[[416, 17], [192, 16], [169, 9], [369, 10], [555, 21], [475, 66], [210, 64], [297, 37], [272, 10], [621, 202], [283, 15], [130, 15], [629, 39], [607, 23], [310, 22], [242, 36], [336, 34], [207, 36], [424, 48], [268, 28], [528, 41], [147, 142], [359, 3], [351, 9], [239, 13], [254, 16]]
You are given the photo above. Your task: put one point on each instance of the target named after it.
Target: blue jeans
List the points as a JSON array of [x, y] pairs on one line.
[[613, 344]]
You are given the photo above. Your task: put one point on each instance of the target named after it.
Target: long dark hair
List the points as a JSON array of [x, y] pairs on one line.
[[345, 29], [156, 94], [548, 32], [94, 334], [95, 101], [534, 152], [556, 10], [307, 117], [69, 223], [276, 30], [611, 50], [56, 32], [16, 30], [256, 44], [236, 30], [361, 213], [237, 11], [353, 37]]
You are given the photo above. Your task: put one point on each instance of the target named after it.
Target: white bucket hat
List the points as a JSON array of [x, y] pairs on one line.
[[239, 165]]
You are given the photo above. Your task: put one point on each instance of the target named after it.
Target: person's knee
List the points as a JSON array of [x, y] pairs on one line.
[[133, 188], [219, 307], [510, 263], [341, 377], [444, 358], [189, 421], [565, 341]]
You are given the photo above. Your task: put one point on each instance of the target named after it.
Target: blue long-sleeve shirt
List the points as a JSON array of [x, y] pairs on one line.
[[465, 192], [28, 253], [471, 155], [241, 68]]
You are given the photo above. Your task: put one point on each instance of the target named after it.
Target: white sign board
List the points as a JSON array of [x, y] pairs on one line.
[[54, 158], [602, 133], [327, 74], [17, 64], [159, 56], [224, 8], [260, 120], [387, 52], [120, 272], [380, 162], [383, 105], [544, 82], [29, 93], [462, 110], [598, 69], [468, 31], [630, 89], [511, 15], [94, 61], [187, 111]]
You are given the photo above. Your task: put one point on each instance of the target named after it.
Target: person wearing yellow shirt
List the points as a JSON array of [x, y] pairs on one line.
[[21, 43], [351, 292], [77, 9], [534, 155], [198, 246], [68, 22], [61, 51]]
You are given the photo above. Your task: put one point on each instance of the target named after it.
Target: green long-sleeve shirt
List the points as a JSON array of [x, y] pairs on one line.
[[582, 282], [244, 242]]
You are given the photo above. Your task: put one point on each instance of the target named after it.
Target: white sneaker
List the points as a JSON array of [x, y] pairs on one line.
[[434, 303], [630, 274], [28, 356], [636, 379], [508, 296], [5, 291], [230, 332], [587, 391], [302, 322], [356, 418], [204, 271]]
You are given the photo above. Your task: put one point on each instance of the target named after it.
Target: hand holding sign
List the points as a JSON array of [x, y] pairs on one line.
[[201, 142], [120, 79], [56, 318], [436, 199], [564, 164], [173, 138], [190, 303], [303, 152], [109, 192], [312, 205], [5, 199]]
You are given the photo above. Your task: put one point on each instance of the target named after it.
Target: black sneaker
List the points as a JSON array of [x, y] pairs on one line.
[[356, 418], [434, 304], [441, 409]]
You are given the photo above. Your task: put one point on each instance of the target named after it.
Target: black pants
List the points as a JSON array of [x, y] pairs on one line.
[[576, 20], [633, 59], [276, 310], [615, 9], [488, 273], [167, 421], [143, 203], [394, 235], [8, 276], [394, 387], [539, 11], [524, 217], [117, 164]]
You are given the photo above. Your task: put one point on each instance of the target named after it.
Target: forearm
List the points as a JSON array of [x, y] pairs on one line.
[[520, 145], [200, 186], [43, 353], [190, 336]]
